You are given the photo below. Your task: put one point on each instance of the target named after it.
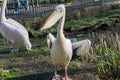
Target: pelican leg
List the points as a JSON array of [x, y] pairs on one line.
[[15, 49], [56, 76], [66, 75], [55, 73]]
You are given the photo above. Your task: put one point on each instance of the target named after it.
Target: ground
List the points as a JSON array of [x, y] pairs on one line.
[[36, 65]]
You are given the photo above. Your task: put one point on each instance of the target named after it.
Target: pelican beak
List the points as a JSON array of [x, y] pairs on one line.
[[52, 19]]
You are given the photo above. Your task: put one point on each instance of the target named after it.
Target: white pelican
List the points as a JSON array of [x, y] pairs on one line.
[[61, 49], [12, 30]]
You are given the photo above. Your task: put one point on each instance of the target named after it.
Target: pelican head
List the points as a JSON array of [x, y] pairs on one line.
[[54, 17]]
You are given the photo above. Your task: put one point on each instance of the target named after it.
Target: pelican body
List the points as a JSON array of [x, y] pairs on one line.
[[12, 30], [61, 48], [61, 51]]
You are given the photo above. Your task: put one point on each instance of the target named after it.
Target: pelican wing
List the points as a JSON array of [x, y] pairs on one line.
[[49, 43], [17, 25], [14, 35], [11, 33], [81, 47], [50, 39]]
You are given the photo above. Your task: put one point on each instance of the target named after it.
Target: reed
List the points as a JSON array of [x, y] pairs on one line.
[[107, 55]]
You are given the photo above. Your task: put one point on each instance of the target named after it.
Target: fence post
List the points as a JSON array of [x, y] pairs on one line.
[[32, 3], [37, 3]]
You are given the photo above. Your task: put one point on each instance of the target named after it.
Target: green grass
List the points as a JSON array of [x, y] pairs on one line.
[[93, 19], [109, 65], [107, 57], [4, 74]]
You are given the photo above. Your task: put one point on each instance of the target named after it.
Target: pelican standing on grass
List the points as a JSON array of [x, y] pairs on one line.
[[12, 30], [61, 49]]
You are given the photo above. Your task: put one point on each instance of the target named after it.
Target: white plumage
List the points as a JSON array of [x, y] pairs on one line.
[[12, 30]]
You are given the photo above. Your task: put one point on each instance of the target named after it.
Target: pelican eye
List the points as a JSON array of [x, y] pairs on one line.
[[59, 9]]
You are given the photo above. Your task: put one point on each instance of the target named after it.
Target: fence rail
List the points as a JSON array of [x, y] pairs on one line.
[[37, 11]]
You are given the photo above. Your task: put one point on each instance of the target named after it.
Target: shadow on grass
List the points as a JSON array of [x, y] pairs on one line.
[[48, 75], [5, 51], [41, 76]]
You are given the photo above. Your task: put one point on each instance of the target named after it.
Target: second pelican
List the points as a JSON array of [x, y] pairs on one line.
[[12, 30]]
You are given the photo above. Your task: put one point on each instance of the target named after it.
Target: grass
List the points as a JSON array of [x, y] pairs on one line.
[[107, 57], [34, 51], [4, 74], [109, 65], [93, 19]]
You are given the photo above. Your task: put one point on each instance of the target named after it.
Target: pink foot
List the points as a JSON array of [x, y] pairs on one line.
[[67, 78], [57, 77]]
